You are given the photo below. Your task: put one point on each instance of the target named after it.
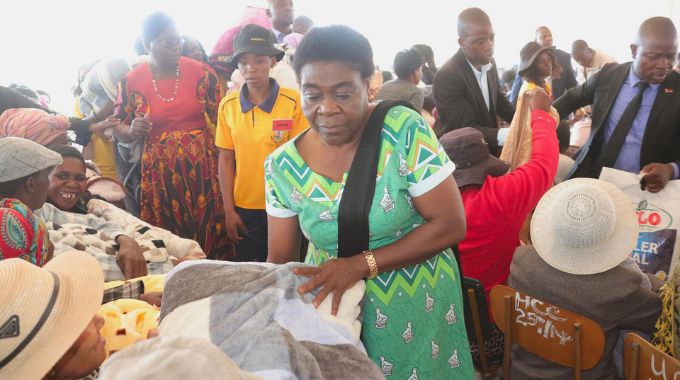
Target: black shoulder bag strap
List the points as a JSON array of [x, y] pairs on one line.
[[359, 190]]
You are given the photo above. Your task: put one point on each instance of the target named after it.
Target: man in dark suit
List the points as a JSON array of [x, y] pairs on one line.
[[564, 79], [636, 118], [466, 89]]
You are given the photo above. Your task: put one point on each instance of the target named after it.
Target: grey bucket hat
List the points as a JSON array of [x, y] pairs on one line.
[[20, 158]]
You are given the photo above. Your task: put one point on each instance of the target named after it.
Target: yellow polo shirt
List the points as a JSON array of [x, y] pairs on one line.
[[248, 130]]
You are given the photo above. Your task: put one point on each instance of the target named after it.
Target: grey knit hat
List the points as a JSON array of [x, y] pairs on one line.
[[20, 158]]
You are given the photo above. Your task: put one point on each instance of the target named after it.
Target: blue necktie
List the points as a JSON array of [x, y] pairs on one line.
[[618, 137]]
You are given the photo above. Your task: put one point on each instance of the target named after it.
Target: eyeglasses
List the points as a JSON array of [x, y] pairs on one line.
[[170, 44]]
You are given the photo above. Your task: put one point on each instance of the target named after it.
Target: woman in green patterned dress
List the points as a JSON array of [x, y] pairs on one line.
[[413, 324]]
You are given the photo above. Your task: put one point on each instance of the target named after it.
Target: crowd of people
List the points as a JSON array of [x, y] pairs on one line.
[[286, 144]]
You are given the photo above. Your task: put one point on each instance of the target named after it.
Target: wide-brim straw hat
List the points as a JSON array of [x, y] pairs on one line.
[[172, 358], [44, 310], [584, 226]]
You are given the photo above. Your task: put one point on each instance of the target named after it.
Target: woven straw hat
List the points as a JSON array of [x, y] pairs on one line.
[[172, 358], [584, 226], [44, 310]]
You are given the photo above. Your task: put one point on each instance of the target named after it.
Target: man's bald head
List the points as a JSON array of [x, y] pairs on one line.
[[656, 27], [544, 36], [582, 53], [579, 46], [281, 13], [475, 36], [542, 28], [469, 18], [655, 49]]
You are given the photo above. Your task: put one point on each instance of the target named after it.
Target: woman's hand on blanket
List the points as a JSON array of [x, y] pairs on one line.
[[334, 276], [130, 258]]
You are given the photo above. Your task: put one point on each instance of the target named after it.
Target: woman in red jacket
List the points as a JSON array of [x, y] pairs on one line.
[[497, 202]]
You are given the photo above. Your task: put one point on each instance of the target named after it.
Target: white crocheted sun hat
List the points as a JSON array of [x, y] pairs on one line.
[[584, 226]]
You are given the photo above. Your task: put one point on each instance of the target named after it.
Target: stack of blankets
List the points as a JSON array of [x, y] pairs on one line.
[[254, 314]]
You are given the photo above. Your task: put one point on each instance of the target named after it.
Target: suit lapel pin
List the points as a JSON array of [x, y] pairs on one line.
[[668, 90]]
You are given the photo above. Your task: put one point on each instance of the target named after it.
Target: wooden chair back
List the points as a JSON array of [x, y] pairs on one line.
[[555, 334], [477, 321], [641, 360]]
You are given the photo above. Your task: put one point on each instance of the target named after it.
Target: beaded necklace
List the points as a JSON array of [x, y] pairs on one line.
[[155, 86]]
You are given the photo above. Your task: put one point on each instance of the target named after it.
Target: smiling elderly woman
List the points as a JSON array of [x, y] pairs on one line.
[[371, 188]]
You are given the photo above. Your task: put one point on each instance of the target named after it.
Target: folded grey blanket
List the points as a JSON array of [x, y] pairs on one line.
[[254, 313]]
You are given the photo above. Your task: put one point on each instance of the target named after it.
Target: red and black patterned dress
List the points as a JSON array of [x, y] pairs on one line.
[[179, 187]]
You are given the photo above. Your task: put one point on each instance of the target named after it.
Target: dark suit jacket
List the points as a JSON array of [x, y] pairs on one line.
[[559, 85], [661, 139], [460, 102]]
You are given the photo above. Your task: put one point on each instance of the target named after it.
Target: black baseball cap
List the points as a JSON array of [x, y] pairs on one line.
[[255, 39]]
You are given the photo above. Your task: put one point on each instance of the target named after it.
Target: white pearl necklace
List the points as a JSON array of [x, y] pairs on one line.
[[155, 86]]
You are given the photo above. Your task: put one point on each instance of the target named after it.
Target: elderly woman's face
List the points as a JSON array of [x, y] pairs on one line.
[[334, 100], [34, 191], [167, 47], [85, 355]]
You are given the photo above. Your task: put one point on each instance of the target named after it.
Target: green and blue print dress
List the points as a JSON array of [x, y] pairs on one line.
[[413, 325]]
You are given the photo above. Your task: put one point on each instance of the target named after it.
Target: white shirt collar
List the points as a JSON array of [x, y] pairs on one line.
[[484, 68], [482, 81]]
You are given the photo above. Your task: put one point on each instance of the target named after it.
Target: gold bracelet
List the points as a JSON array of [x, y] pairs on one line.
[[372, 265]]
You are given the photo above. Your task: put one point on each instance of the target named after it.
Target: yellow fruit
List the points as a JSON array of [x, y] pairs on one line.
[[126, 321]]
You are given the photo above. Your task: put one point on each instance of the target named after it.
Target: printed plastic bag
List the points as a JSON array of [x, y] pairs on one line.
[[658, 216]]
